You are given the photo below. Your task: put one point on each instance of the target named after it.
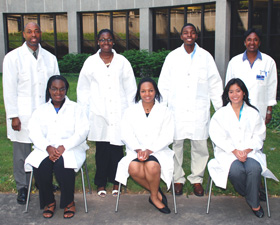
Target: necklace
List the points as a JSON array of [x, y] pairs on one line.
[[107, 60]]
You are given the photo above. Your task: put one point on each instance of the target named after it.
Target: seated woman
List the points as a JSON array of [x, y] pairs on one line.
[[58, 130], [147, 130], [238, 132]]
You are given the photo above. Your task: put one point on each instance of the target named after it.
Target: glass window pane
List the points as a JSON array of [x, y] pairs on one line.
[[62, 35], [103, 21], [47, 40], [275, 17], [161, 23], [88, 39], [194, 16], [209, 20], [119, 28], [14, 31], [176, 21], [260, 15], [133, 27], [29, 18]]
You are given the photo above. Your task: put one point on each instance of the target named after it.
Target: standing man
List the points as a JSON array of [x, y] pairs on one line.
[[258, 72], [188, 80], [26, 71]]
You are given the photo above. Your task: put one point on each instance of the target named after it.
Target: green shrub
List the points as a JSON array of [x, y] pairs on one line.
[[72, 63], [146, 63], [275, 121]]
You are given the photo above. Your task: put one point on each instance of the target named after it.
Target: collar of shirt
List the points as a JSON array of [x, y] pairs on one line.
[[37, 50], [259, 56], [193, 52]]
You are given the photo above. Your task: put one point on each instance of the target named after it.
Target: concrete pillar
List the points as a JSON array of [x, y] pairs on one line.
[[146, 31], [72, 32], [2, 40], [222, 36]]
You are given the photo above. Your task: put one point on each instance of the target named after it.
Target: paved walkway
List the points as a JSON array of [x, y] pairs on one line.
[[135, 209]]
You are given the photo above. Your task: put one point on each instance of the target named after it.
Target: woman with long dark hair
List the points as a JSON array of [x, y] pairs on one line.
[[58, 130], [238, 132], [147, 131]]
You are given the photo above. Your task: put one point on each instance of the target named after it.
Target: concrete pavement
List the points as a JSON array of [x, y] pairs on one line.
[[135, 209]]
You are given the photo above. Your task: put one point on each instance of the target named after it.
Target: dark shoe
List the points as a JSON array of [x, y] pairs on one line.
[[165, 210], [69, 211], [22, 195], [198, 189], [164, 199], [178, 188], [259, 213]]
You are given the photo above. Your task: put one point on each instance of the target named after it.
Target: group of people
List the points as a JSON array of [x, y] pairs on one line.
[[112, 111]]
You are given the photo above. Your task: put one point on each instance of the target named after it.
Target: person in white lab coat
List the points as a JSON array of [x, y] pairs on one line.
[[238, 132], [147, 130], [258, 71], [26, 71], [188, 81], [106, 87], [58, 130]]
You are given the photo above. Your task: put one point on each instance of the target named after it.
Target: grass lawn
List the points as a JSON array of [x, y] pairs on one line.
[[7, 184]]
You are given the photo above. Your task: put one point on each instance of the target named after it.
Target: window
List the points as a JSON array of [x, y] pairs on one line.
[[124, 24], [54, 31], [168, 22]]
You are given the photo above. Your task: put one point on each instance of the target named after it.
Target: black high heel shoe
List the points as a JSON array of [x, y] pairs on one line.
[[164, 199], [259, 213], [164, 210]]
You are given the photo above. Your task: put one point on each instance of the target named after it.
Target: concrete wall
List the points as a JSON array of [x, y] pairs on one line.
[[71, 7]]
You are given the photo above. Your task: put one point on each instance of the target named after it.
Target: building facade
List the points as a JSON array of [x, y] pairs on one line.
[[71, 26]]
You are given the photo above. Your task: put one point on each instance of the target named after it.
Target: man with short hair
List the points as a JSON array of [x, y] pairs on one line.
[[26, 71], [189, 79]]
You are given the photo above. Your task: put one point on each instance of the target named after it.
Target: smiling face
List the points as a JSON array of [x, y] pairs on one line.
[[57, 92], [235, 94], [147, 92], [252, 42], [32, 35], [106, 42], [189, 35]]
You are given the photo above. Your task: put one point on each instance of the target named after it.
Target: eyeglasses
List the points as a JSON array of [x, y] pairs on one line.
[[57, 89], [103, 40]]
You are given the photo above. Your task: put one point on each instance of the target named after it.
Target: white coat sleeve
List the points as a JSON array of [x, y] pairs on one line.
[[129, 82], [56, 69], [83, 88], [36, 134], [166, 134], [218, 134], [271, 87], [81, 130], [215, 84], [10, 86], [127, 133], [164, 81], [259, 133]]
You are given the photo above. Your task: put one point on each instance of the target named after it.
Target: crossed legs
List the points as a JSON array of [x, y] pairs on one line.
[[147, 174]]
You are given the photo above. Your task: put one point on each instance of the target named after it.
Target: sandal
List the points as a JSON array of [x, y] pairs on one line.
[[115, 191], [102, 193], [49, 209], [67, 210]]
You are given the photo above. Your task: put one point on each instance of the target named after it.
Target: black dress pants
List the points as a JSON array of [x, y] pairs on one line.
[[107, 157], [44, 179]]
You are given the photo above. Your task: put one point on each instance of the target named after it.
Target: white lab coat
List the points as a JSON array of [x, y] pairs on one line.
[[24, 86], [154, 132], [262, 93], [104, 93], [187, 87], [69, 127], [228, 133]]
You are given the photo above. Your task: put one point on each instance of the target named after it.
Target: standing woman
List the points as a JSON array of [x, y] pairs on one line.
[[147, 131], [58, 130], [238, 131], [259, 73], [106, 87]]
